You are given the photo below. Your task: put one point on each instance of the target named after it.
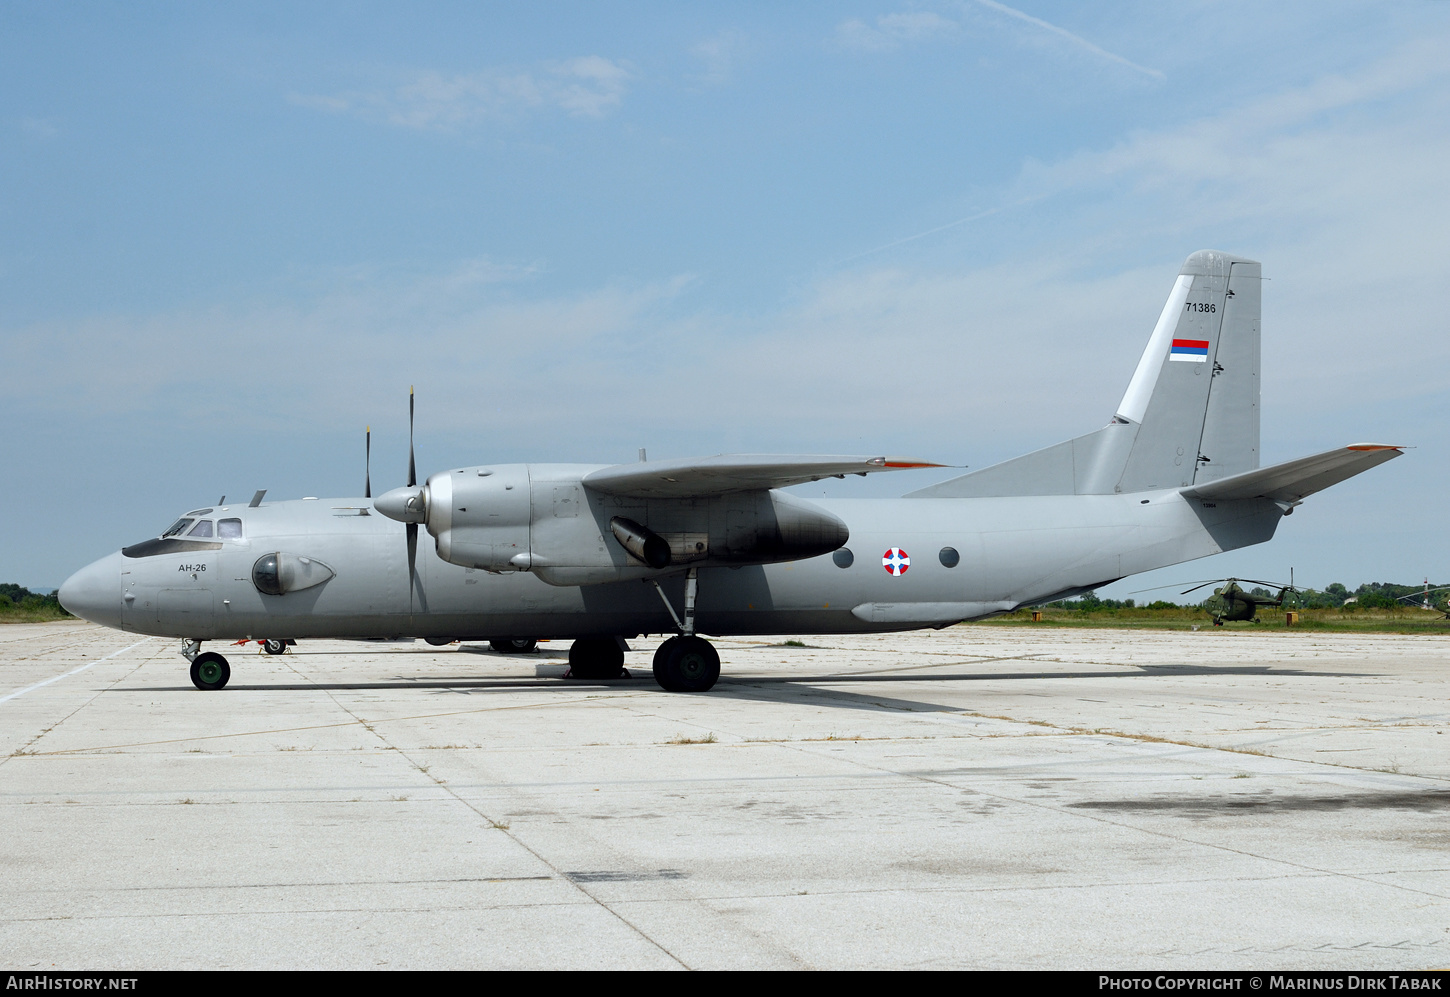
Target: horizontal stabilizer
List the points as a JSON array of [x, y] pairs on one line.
[[701, 476], [1292, 481]]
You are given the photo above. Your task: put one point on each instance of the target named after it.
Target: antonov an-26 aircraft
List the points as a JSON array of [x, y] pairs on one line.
[[713, 546]]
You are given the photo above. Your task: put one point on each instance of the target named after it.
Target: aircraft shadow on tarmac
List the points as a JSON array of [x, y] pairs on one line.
[[818, 688]]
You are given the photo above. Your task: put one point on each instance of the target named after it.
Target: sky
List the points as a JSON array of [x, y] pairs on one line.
[[231, 237]]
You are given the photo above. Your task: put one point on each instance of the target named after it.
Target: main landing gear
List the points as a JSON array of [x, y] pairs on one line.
[[686, 663], [514, 645], [596, 658], [209, 670]]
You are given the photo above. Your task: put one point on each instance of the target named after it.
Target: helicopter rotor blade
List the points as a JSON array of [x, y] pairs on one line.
[[1172, 585], [1202, 584]]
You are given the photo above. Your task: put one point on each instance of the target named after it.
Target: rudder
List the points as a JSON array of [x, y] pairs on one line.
[[1191, 411], [1198, 381]]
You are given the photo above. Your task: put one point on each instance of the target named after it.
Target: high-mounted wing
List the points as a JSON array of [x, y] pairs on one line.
[[726, 473], [1292, 481]]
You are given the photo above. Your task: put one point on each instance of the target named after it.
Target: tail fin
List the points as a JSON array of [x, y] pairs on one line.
[[1190, 414]]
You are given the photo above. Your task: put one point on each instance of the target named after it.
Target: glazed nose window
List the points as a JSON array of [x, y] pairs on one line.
[[201, 529], [229, 529]]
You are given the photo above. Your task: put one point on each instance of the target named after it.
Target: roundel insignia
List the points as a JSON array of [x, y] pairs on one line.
[[895, 561]]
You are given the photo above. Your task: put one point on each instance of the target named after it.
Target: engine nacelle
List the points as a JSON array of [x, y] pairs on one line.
[[541, 518], [480, 517]]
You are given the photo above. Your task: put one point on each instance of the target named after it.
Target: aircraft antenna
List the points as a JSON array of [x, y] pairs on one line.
[[368, 465]]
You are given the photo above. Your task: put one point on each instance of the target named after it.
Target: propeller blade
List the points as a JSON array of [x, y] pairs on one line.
[[368, 466], [412, 468], [412, 529]]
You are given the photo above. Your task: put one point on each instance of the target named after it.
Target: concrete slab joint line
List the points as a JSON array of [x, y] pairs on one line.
[[74, 671], [978, 796]]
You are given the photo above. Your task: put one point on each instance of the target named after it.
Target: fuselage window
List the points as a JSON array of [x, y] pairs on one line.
[[201, 529], [843, 558], [949, 557], [229, 529], [177, 528]]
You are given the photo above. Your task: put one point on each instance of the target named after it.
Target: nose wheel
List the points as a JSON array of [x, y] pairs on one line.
[[210, 671]]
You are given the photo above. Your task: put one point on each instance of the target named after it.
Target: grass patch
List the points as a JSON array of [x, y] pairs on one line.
[[1399, 621], [682, 739]]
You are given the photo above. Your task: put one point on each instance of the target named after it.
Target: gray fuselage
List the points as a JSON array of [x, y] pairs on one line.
[[1007, 555]]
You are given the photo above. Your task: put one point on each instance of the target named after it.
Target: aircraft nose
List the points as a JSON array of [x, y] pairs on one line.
[[94, 592]]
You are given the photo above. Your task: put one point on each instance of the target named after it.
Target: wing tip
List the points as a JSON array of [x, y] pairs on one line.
[[903, 463], [1376, 446]]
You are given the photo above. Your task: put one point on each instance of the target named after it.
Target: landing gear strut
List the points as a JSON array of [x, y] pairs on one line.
[[686, 663]]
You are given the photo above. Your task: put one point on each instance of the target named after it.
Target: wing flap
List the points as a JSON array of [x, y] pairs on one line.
[[1295, 479], [726, 473]]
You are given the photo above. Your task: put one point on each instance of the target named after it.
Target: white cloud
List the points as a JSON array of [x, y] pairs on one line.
[[890, 30], [719, 56], [589, 86], [39, 129], [1337, 186]]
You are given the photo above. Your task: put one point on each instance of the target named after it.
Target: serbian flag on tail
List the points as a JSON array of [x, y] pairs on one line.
[[1194, 350]]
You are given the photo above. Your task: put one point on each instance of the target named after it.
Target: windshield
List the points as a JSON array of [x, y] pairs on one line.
[[178, 527]]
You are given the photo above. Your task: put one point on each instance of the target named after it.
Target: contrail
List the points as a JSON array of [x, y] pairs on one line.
[[941, 228], [1045, 26]]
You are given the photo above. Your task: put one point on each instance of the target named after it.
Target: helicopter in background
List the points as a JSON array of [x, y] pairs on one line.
[[1231, 602], [1422, 600]]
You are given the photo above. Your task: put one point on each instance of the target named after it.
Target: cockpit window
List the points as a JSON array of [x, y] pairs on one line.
[[201, 529], [199, 512], [178, 528], [229, 529]]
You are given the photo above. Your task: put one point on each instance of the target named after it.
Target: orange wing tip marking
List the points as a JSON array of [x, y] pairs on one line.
[[1375, 446], [901, 462]]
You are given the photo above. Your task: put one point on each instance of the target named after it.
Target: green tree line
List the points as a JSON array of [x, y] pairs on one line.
[[18, 597], [1370, 595]]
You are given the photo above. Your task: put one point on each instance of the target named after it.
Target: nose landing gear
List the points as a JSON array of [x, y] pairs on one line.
[[209, 670]]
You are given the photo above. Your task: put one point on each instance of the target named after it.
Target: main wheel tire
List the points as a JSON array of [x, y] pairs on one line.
[[687, 664], [514, 645], [274, 646], [210, 671], [596, 658], [438, 641]]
